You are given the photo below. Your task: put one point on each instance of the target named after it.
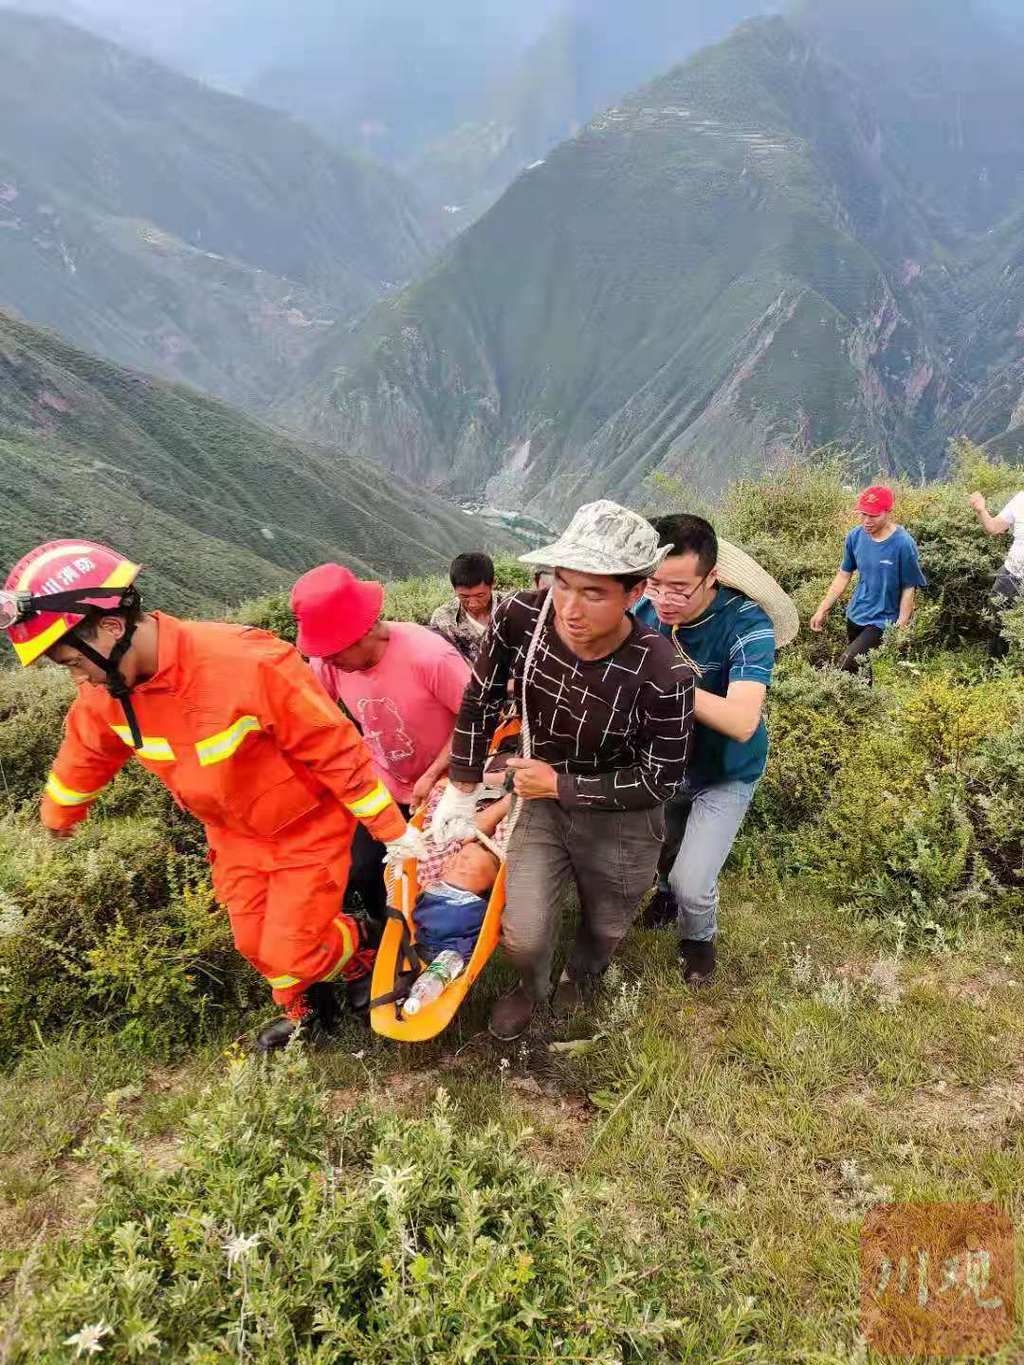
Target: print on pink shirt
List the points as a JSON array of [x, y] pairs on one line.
[[384, 729]]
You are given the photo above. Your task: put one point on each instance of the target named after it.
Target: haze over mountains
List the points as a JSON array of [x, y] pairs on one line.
[[170, 226], [792, 239], [460, 95]]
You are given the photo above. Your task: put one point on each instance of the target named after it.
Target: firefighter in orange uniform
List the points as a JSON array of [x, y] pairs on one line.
[[234, 724]]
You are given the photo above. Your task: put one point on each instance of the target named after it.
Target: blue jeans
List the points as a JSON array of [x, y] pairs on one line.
[[701, 828]]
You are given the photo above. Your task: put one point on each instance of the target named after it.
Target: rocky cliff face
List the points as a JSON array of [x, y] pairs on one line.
[[729, 266]]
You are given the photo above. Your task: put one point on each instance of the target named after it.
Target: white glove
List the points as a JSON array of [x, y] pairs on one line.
[[411, 844], [453, 814]]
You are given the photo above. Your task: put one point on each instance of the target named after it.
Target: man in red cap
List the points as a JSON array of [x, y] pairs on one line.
[[231, 722], [400, 682], [884, 557]]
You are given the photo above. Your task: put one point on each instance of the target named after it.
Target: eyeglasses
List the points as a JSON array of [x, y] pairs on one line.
[[671, 592]]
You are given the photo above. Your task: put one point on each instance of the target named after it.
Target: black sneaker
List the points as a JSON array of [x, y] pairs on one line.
[[697, 960], [660, 912]]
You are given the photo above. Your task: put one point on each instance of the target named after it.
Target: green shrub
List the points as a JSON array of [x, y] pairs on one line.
[[408, 599], [113, 924], [995, 797], [904, 800], [813, 718], [273, 613], [32, 707], [285, 1234]]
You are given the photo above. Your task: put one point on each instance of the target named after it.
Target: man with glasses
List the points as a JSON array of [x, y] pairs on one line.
[[728, 639]]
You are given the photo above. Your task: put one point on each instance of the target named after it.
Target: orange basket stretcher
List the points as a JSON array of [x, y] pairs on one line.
[[397, 955]]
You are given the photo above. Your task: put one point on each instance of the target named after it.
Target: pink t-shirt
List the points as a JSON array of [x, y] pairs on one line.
[[406, 706]]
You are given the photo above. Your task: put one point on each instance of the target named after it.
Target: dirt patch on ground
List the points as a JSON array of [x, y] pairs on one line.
[[986, 1109], [944, 1105], [559, 1119]]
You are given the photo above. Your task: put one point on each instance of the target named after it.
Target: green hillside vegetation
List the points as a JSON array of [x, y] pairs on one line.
[[170, 226], [216, 506], [685, 1175], [733, 263]]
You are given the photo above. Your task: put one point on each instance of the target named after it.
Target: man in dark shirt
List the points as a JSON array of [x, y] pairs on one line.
[[607, 706]]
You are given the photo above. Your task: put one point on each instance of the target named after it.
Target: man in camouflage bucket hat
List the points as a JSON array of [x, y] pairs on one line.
[[608, 707]]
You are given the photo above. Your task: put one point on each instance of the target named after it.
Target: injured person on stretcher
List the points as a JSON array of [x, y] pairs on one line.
[[457, 882]]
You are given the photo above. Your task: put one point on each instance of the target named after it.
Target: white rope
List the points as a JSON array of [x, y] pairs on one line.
[[527, 739]]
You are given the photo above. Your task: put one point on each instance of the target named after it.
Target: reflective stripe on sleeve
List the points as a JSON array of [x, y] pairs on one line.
[[155, 749], [282, 983], [372, 804]]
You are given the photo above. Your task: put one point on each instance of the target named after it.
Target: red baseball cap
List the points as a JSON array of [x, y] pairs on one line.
[[334, 609], [876, 500]]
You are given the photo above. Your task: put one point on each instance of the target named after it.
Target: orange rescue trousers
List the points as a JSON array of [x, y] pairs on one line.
[[287, 918]]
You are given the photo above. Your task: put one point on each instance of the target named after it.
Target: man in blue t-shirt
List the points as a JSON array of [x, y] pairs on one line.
[[729, 641], [884, 557]]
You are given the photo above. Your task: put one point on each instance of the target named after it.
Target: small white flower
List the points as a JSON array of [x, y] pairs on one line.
[[360, 1054], [238, 1247], [504, 1064], [88, 1341]]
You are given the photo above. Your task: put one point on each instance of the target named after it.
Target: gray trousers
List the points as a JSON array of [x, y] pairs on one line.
[[611, 857], [702, 828]]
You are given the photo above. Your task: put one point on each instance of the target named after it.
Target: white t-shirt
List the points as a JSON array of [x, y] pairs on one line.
[[1013, 512]]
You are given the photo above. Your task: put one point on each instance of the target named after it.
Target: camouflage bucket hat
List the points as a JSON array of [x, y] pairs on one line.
[[603, 538]]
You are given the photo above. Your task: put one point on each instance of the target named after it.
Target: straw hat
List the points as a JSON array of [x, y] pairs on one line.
[[737, 570], [603, 538]]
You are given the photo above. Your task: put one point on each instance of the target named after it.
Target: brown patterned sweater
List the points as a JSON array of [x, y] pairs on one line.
[[617, 730]]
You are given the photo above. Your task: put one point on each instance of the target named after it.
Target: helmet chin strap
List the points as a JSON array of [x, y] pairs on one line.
[[117, 685]]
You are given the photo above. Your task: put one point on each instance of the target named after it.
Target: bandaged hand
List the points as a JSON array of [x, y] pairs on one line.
[[453, 817], [412, 844]]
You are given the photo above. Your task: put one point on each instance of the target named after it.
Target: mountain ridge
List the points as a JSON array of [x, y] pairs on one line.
[[724, 267]]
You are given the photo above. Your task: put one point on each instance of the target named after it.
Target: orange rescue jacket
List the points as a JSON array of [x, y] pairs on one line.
[[235, 725]]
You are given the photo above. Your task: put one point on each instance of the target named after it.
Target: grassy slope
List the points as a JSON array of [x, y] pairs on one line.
[[744, 1133], [843, 1058], [216, 504], [154, 219]]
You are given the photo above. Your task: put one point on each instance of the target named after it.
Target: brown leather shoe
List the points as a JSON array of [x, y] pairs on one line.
[[511, 1016], [567, 999]]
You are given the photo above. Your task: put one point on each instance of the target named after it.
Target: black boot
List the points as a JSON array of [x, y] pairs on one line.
[[317, 1025], [660, 912], [360, 992], [277, 1035], [697, 960]]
